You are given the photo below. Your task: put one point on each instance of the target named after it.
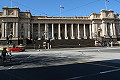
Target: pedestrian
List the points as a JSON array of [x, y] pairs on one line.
[[4, 52], [107, 44], [13, 45], [39, 47], [10, 55]]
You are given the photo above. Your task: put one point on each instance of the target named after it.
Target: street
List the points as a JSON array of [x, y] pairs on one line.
[[63, 64]]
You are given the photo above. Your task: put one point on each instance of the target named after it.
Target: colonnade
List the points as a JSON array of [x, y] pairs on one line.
[[66, 30], [5, 29], [109, 30], [84, 29]]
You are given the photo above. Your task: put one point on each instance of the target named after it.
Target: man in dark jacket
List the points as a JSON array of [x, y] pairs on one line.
[[4, 52]]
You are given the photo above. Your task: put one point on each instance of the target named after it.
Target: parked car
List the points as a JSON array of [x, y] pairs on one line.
[[17, 49]]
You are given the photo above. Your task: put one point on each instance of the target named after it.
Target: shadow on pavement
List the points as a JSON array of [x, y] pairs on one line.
[[114, 61], [76, 71], [33, 60]]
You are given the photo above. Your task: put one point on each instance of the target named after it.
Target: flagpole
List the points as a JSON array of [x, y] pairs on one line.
[[106, 4], [60, 12], [61, 7], [11, 3]]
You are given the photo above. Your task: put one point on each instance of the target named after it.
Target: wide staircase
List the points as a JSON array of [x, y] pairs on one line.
[[70, 43], [73, 43]]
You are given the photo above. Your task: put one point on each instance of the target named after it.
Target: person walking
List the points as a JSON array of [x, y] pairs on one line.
[[39, 47], [10, 55], [4, 52]]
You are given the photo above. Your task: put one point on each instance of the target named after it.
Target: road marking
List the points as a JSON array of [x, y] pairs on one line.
[[74, 78], [97, 64], [104, 72], [11, 67], [109, 71]]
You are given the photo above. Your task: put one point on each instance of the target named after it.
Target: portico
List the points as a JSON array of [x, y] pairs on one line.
[[64, 31]]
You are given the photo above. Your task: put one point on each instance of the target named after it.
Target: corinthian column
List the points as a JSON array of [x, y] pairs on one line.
[[111, 29], [16, 29], [72, 36], [39, 31], [59, 33], [32, 30], [114, 31], [78, 30], [28, 30], [3, 31], [52, 31], [13, 29], [85, 37], [46, 31], [104, 28], [66, 37], [90, 27]]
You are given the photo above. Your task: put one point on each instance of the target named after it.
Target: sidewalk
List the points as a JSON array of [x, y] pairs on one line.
[[88, 54]]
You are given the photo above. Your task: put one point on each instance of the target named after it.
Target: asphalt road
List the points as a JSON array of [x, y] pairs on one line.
[[63, 64]]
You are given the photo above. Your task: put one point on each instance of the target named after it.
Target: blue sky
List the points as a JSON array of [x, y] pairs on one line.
[[71, 7]]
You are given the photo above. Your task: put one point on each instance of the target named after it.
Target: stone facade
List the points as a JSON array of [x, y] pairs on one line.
[[22, 25]]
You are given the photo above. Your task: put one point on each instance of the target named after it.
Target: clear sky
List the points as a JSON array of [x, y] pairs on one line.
[[71, 7]]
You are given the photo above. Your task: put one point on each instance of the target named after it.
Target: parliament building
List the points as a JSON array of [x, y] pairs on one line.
[[24, 28]]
